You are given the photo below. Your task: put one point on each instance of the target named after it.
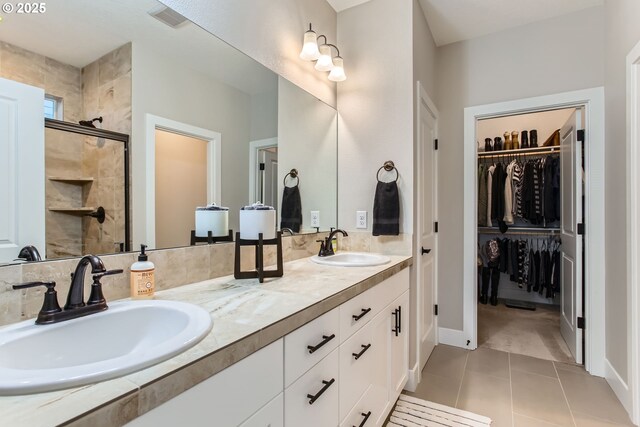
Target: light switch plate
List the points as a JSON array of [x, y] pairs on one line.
[[361, 219], [315, 218]]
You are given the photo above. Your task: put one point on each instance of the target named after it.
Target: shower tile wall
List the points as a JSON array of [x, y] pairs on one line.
[[106, 85]]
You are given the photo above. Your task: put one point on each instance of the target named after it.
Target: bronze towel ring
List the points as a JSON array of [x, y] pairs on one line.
[[294, 174], [388, 166]]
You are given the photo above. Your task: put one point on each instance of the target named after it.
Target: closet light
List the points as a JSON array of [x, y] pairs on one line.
[[310, 50], [322, 55]]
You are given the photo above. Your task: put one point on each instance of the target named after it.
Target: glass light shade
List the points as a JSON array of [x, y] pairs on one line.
[[310, 50], [324, 61], [337, 72]]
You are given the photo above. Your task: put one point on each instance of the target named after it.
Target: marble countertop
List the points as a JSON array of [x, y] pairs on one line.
[[247, 316]]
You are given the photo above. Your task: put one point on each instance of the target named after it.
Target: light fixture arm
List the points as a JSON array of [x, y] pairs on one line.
[[334, 46], [325, 38]]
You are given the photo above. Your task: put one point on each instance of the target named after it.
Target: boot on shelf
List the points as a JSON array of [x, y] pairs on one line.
[[495, 281], [524, 139], [487, 144], [497, 144], [553, 140], [514, 140], [484, 289], [507, 141], [533, 138]]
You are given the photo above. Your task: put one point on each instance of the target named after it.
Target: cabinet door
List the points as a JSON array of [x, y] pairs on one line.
[[399, 364], [367, 411], [379, 375], [271, 415], [313, 400]]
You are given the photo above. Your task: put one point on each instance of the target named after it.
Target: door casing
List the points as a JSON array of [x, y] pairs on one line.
[[592, 100]]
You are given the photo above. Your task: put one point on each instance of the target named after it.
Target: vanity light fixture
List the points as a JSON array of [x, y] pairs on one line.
[[322, 55]]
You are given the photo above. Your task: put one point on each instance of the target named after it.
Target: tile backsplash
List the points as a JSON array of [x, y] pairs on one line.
[[174, 267]]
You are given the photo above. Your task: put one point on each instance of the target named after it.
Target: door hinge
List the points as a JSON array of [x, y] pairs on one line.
[[435, 309], [581, 323], [261, 166], [580, 135], [435, 144], [581, 228], [435, 227]]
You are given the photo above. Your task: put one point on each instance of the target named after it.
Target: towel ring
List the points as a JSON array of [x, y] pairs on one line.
[[294, 174], [388, 166]]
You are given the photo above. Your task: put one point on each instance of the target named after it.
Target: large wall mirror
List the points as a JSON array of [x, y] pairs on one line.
[[195, 121]]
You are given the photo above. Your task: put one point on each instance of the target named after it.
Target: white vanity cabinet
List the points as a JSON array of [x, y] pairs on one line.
[[230, 397], [345, 368]]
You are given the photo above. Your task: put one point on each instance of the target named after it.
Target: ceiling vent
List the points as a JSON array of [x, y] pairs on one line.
[[168, 16]]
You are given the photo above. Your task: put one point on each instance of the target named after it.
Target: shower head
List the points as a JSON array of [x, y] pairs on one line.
[[89, 123]]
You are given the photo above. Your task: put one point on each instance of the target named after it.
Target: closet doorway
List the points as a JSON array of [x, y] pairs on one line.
[[529, 202], [548, 252]]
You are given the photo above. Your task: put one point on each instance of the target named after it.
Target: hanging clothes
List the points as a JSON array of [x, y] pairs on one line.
[[508, 196], [490, 173], [482, 194]]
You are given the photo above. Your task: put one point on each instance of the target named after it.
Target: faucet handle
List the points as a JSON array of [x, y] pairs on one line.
[[99, 276], [50, 304], [96, 296]]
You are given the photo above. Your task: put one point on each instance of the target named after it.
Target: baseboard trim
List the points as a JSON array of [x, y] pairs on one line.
[[414, 378], [619, 387], [452, 337]]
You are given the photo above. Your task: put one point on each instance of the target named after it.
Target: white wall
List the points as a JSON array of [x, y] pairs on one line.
[[375, 106], [307, 141], [270, 32], [552, 56], [264, 113], [622, 33], [168, 89]]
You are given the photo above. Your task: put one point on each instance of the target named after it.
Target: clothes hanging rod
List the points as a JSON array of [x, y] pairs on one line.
[[524, 231], [521, 151]]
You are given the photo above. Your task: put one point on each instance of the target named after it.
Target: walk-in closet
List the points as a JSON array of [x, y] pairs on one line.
[[529, 200]]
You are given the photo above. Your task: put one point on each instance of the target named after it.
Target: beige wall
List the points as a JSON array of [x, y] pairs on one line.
[[552, 56], [622, 33], [169, 89], [375, 106], [181, 186], [270, 32]]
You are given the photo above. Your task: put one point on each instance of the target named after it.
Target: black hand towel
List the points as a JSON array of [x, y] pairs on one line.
[[386, 209], [291, 215]]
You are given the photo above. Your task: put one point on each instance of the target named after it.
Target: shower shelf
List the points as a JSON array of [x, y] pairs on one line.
[[73, 211], [75, 181]]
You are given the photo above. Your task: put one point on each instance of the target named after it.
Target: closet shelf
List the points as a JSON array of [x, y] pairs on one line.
[[526, 151], [520, 230], [75, 181]]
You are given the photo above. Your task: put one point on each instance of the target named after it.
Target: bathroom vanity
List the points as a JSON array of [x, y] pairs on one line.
[[321, 346]]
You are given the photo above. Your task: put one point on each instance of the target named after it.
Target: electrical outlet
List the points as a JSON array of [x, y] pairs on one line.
[[361, 219], [315, 218]]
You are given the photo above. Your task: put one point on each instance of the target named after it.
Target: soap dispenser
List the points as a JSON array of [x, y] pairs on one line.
[[142, 276]]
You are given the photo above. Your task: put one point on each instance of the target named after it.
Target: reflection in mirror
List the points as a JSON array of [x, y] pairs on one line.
[[207, 124]]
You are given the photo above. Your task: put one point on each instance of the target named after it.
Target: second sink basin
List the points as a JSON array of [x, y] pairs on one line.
[[129, 336], [352, 259]]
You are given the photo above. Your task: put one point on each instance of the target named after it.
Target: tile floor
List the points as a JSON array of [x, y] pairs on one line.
[[519, 391]]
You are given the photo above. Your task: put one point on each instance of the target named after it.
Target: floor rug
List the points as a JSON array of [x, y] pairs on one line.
[[412, 412]]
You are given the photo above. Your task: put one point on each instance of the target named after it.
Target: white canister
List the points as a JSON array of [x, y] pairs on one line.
[[215, 221], [253, 222]]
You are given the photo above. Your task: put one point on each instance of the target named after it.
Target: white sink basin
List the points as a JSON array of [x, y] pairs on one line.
[[129, 336], [352, 259]]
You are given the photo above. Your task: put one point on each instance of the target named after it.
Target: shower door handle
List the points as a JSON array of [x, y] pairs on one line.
[[425, 251]]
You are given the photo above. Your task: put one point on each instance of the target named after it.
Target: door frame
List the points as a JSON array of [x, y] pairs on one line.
[[422, 98], [630, 395], [214, 166], [592, 100], [254, 146]]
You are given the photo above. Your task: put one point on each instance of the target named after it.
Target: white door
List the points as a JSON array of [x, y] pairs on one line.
[[427, 202], [269, 177], [21, 169], [571, 206]]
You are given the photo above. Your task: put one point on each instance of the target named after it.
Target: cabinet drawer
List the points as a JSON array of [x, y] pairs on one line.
[[368, 411], [390, 289], [357, 357], [308, 344], [320, 386], [271, 415], [227, 398], [355, 313]]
